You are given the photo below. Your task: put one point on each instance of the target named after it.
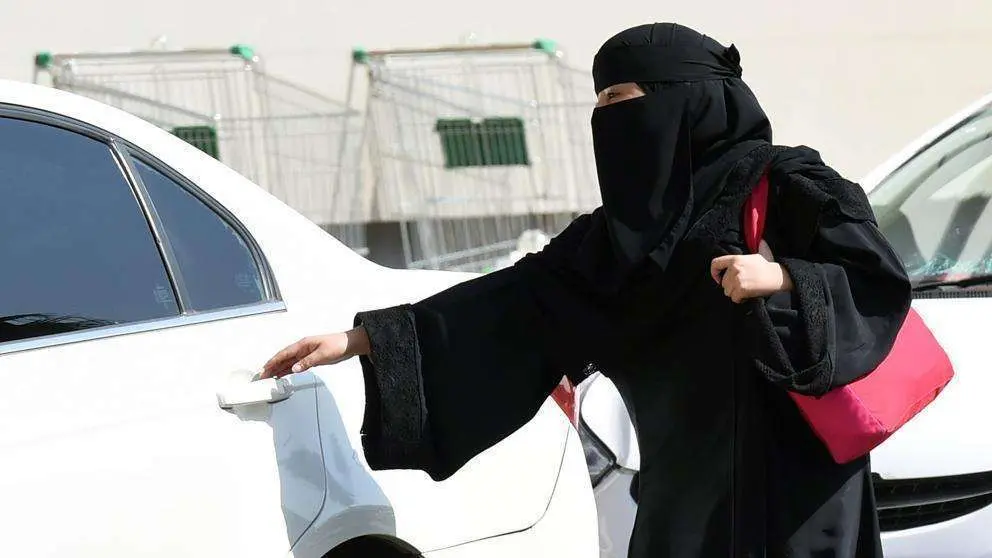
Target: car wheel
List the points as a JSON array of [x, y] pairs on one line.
[[364, 547]]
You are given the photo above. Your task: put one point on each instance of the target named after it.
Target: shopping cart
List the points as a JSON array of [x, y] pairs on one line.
[[299, 145], [476, 146]]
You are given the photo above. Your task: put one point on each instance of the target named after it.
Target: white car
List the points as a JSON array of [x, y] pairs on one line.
[[934, 477], [141, 283]]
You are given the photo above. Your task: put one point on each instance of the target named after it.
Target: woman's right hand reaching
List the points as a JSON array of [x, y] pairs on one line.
[[316, 351]]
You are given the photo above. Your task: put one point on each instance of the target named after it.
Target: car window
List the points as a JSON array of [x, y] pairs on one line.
[[936, 210], [75, 248], [215, 265]]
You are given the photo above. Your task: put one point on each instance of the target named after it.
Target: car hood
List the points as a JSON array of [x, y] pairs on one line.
[[951, 436]]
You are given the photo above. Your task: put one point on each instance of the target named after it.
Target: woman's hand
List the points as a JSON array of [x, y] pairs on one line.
[[750, 275], [317, 351]]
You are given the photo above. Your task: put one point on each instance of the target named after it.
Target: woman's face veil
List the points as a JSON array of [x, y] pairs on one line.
[[662, 157]]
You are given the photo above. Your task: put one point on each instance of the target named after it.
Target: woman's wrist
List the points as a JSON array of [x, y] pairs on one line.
[[787, 284], [358, 342]]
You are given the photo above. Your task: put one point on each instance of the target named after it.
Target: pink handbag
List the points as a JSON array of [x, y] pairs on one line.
[[854, 419]]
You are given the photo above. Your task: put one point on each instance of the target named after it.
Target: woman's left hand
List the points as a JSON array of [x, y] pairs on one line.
[[749, 276]]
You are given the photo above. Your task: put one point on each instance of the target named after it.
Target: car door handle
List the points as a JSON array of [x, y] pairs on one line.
[[269, 390]]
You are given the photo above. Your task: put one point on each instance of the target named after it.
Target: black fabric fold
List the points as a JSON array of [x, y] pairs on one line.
[[851, 294], [660, 64], [395, 431], [456, 373], [802, 364], [810, 191], [663, 53]]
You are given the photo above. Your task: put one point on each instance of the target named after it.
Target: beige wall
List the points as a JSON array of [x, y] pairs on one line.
[[854, 78]]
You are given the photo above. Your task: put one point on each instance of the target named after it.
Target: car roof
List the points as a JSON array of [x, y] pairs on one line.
[[264, 214], [216, 178], [80, 108], [879, 173]]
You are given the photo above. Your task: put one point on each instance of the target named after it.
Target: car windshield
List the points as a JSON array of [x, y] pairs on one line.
[[935, 208]]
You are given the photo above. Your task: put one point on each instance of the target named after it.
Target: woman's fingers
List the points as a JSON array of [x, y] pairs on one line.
[[727, 272], [307, 353], [738, 295], [719, 265], [730, 280], [749, 276], [309, 361], [283, 361]]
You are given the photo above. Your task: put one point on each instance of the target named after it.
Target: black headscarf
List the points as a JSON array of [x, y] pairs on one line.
[[664, 157]]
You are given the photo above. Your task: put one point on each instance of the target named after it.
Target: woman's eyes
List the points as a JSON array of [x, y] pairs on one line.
[[620, 96], [610, 97]]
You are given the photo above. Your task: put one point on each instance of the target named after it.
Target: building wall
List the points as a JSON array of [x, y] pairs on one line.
[[855, 78]]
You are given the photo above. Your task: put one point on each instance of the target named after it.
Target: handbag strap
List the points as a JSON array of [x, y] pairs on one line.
[[755, 212]]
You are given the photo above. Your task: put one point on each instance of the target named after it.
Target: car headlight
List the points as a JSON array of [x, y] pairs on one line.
[[599, 459]]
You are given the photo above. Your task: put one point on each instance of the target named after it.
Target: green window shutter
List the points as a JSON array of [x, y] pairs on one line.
[[203, 138], [459, 142], [491, 142], [504, 141]]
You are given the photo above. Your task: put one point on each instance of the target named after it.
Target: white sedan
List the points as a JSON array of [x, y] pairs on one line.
[[141, 283], [933, 483]]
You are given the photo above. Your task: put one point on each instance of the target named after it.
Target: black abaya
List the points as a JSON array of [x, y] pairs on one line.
[[728, 466]]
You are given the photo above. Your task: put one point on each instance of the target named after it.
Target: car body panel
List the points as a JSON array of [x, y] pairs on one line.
[[964, 537], [617, 510], [610, 420], [570, 514], [97, 443], [947, 437]]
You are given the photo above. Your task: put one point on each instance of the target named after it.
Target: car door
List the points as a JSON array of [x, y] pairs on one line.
[[128, 300]]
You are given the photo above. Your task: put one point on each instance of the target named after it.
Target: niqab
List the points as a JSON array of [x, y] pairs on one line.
[[663, 158]]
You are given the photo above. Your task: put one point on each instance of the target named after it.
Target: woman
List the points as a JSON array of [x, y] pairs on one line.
[[655, 289]]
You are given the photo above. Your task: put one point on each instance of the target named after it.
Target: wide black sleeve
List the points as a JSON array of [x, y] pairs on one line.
[[452, 375], [851, 296]]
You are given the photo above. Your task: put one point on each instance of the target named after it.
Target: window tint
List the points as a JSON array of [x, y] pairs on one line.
[[75, 248], [215, 264]]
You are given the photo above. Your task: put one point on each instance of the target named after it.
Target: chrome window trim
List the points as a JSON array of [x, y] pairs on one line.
[[132, 328], [123, 151], [165, 251], [30, 114]]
